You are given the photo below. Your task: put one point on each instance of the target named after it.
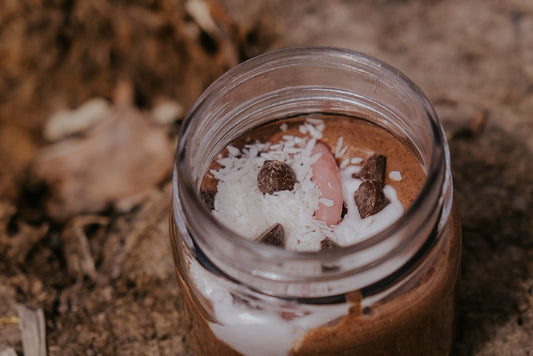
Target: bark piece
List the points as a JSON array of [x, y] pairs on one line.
[[117, 163], [76, 248], [69, 122], [33, 331], [7, 351]]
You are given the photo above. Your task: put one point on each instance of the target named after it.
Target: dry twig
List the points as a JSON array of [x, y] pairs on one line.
[[33, 331]]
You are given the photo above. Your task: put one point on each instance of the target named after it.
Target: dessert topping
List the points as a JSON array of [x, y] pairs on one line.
[[328, 244], [274, 236], [374, 169], [275, 176], [314, 189], [208, 199], [370, 198], [326, 177]]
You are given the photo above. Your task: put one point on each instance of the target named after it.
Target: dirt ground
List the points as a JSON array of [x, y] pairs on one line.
[[92, 94]]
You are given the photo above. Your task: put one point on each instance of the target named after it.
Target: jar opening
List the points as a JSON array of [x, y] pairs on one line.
[[310, 81]]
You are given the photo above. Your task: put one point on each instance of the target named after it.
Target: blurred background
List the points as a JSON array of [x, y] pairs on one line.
[[92, 94]]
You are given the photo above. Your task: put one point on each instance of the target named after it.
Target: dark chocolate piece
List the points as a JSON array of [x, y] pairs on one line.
[[344, 210], [374, 169], [328, 244], [245, 300], [370, 198], [368, 311], [208, 199], [274, 236], [329, 268], [275, 176]]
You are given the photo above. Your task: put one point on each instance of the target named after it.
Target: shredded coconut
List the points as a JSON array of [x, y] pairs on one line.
[[338, 147], [326, 202], [344, 163], [395, 175], [240, 204], [340, 150]]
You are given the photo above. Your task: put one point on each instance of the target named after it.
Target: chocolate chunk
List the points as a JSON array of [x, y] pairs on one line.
[[344, 210], [275, 176], [247, 301], [368, 311], [329, 268], [328, 244], [274, 236], [208, 198], [374, 169], [370, 198]]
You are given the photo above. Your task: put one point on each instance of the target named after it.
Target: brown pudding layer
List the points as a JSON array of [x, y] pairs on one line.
[[417, 319], [362, 138], [417, 322]]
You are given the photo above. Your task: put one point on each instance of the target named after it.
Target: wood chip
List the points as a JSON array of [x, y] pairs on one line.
[[217, 27], [69, 122], [33, 331], [116, 164], [166, 112], [76, 248], [7, 351], [471, 126], [126, 232]]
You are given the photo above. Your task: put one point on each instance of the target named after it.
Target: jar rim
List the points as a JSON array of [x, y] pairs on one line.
[[426, 200]]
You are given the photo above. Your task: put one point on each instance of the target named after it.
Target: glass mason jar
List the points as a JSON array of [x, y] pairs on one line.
[[392, 293]]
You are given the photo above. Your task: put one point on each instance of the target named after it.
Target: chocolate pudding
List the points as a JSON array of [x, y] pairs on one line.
[[315, 183]]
